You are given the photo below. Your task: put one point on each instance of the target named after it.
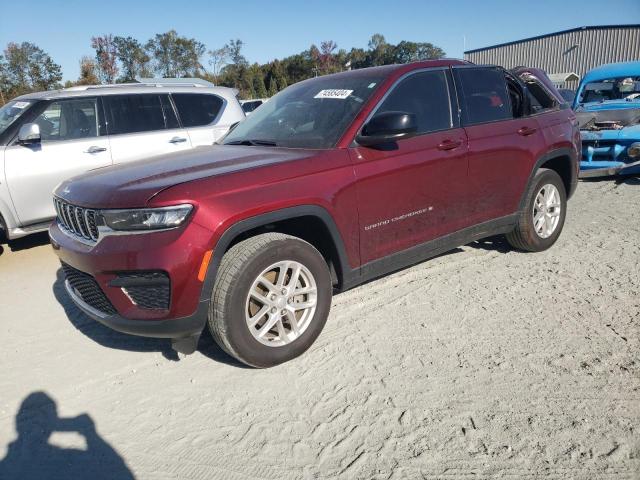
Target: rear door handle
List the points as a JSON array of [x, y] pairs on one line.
[[95, 149], [449, 144], [177, 140], [526, 131]]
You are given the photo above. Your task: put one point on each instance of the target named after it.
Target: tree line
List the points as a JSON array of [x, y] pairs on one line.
[[25, 67]]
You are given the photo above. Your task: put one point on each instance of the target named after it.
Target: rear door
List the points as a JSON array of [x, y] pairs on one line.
[[73, 141], [413, 191], [504, 142], [200, 114], [142, 126]]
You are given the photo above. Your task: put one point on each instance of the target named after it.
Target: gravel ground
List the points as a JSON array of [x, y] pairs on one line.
[[481, 363]]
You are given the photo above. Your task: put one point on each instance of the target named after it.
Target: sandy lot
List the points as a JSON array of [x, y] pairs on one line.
[[481, 363]]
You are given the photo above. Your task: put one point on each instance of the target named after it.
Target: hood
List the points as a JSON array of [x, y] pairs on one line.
[[134, 184], [598, 117]]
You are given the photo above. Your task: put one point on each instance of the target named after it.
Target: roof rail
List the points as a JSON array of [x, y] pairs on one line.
[[148, 82], [192, 82]]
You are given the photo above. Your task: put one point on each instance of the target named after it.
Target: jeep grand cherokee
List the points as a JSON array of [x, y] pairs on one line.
[[333, 182]]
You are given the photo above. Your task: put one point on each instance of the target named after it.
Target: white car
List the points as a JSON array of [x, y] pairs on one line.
[[250, 105], [48, 137]]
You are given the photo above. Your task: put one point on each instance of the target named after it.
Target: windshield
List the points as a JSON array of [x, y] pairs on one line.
[[622, 88], [10, 112], [309, 114]]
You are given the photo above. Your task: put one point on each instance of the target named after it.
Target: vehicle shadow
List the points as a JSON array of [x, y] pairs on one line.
[[30, 241], [109, 338], [32, 457], [497, 243]]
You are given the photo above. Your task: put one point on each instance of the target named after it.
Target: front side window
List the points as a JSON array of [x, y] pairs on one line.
[[69, 120], [484, 95], [11, 111], [134, 113], [311, 114], [196, 109], [426, 95]]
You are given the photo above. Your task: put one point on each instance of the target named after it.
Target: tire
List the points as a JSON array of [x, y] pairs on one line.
[[246, 267], [537, 237], [4, 236]]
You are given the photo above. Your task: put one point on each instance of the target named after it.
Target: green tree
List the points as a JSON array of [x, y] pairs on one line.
[[378, 50], [273, 87], [106, 57], [258, 85], [406, 52], [175, 56], [133, 58], [27, 68]]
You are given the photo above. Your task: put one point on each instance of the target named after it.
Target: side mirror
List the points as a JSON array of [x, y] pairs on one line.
[[388, 127], [29, 134]]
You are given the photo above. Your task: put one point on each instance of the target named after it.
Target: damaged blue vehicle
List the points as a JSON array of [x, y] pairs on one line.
[[607, 105]]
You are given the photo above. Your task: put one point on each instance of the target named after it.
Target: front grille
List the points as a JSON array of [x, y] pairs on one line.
[[150, 290], [88, 289], [77, 220]]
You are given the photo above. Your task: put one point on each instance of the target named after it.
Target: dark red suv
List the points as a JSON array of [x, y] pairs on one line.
[[334, 181]]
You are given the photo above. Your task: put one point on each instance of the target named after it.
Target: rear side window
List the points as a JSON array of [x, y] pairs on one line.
[[484, 95], [196, 109], [134, 113], [426, 95]]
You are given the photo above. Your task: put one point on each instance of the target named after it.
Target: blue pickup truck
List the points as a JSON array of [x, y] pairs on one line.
[[607, 105]]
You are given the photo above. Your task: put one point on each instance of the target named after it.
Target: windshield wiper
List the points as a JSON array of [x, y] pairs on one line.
[[253, 143]]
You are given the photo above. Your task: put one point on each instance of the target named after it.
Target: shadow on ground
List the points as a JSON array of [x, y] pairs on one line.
[[32, 457], [112, 339], [30, 241], [617, 179], [496, 243]]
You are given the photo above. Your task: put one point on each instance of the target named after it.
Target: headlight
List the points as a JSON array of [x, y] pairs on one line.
[[146, 218], [634, 150]]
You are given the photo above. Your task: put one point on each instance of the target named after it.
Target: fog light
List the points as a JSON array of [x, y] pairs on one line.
[[634, 150]]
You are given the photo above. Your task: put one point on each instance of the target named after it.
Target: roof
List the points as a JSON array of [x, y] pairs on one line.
[[126, 88], [561, 32], [612, 70]]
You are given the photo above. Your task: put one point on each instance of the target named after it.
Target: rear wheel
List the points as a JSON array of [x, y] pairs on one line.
[[271, 299], [541, 221]]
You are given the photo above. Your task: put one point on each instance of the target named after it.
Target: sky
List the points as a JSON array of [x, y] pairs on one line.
[[275, 29]]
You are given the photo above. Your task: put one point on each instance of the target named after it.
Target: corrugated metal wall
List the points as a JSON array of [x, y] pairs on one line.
[[576, 51]]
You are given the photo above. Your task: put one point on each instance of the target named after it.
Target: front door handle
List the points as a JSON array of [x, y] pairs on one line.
[[177, 140], [526, 131], [449, 144], [94, 149]]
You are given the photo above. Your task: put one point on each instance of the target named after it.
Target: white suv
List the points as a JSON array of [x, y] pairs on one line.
[[47, 137]]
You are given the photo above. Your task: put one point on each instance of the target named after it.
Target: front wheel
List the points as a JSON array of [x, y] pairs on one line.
[[271, 299], [541, 221]]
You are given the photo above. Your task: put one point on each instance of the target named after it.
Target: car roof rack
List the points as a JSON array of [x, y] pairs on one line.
[[149, 82]]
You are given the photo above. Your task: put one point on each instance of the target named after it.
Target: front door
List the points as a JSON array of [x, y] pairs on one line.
[[73, 142], [413, 191]]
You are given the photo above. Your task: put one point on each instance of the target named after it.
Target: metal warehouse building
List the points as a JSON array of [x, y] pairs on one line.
[[567, 55]]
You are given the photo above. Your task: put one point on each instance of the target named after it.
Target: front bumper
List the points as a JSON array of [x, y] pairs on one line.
[[174, 328], [175, 253]]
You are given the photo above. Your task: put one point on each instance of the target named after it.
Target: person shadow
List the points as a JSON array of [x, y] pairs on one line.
[[31, 456]]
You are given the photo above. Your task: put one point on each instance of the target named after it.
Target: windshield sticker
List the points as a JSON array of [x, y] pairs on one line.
[[339, 94], [20, 105], [371, 85]]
